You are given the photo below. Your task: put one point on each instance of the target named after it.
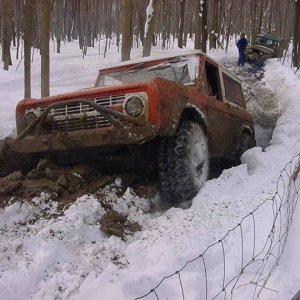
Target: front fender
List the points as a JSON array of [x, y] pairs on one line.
[[186, 112]]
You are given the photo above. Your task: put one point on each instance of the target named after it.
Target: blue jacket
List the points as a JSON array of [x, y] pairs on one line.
[[241, 44]]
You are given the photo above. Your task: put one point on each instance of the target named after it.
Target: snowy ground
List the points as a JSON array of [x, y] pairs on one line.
[[45, 256]]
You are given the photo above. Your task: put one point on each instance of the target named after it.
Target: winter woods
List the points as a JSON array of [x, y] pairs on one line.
[[141, 23], [169, 21]]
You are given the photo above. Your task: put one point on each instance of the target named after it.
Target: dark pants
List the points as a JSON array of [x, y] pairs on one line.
[[242, 58]]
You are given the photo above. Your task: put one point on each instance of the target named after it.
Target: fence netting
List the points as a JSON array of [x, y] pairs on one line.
[[261, 238]]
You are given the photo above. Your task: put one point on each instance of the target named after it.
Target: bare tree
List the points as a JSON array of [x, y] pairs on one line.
[[45, 11], [163, 22], [127, 12], [58, 23], [7, 31], [296, 40], [204, 26], [181, 24], [152, 10], [197, 24], [27, 46]]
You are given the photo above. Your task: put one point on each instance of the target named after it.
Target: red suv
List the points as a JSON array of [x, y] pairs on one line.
[[187, 108]]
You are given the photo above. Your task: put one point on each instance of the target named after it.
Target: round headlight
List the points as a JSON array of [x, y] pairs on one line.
[[30, 117], [134, 106]]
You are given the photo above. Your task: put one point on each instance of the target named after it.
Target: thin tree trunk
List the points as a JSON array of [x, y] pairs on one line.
[[213, 36], [296, 40], [204, 26], [149, 26], [197, 24], [27, 46], [127, 11], [181, 24], [45, 10], [59, 23], [7, 6]]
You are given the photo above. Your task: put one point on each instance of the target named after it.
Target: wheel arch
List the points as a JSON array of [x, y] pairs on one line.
[[247, 130], [193, 113]]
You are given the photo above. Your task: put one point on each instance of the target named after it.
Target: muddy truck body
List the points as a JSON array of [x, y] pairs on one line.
[[187, 108], [265, 46]]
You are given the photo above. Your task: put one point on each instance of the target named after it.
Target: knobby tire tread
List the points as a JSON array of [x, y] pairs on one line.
[[176, 182]]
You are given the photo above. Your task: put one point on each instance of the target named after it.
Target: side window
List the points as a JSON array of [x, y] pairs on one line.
[[213, 83], [233, 91]]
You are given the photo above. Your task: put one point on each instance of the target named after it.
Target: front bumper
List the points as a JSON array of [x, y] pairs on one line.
[[135, 132], [84, 139]]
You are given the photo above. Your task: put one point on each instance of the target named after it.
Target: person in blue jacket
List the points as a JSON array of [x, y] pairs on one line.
[[242, 44]]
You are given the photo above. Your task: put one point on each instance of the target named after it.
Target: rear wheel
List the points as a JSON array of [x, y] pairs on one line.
[[247, 142], [183, 163]]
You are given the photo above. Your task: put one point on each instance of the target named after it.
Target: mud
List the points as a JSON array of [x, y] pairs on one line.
[[11, 161], [114, 223], [62, 184]]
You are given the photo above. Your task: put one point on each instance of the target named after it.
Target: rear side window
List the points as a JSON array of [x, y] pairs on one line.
[[233, 91]]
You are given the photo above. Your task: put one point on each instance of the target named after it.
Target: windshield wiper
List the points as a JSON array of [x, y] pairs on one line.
[[167, 64], [133, 68]]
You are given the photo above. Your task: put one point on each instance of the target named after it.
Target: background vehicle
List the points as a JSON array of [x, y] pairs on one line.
[[179, 110], [265, 46]]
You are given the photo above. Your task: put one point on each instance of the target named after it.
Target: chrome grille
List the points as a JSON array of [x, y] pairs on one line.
[[80, 116]]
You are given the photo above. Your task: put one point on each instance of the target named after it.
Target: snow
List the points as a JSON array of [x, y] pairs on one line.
[[48, 255], [149, 13]]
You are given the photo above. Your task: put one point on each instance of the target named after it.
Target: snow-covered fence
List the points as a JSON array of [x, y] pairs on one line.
[[261, 245]]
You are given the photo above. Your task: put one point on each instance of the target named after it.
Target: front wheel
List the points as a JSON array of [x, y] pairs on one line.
[[256, 59], [183, 163]]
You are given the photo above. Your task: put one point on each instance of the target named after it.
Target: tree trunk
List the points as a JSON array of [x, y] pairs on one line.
[[181, 24], [27, 46], [204, 26], [45, 10], [59, 23], [149, 26], [296, 40], [141, 22], [214, 25], [127, 10], [197, 24], [7, 29]]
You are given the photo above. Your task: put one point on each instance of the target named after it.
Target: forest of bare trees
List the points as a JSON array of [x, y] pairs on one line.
[[27, 24]]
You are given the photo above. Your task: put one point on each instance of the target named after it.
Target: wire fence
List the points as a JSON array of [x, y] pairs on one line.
[[261, 239]]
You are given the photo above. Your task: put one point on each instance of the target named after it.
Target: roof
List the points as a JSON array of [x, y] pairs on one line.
[[173, 54], [154, 57], [268, 36]]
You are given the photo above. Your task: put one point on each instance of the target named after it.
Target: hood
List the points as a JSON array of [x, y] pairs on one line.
[[263, 49], [87, 93]]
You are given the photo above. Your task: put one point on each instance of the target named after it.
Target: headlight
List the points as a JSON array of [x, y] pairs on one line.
[[134, 106]]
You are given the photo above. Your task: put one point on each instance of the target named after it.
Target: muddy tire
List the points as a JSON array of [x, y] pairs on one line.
[[256, 60], [183, 163]]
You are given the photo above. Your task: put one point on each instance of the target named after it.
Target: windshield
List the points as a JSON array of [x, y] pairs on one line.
[[180, 69], [265, 41]]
